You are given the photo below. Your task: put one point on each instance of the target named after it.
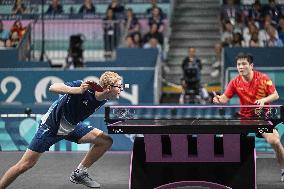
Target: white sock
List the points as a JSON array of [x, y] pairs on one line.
[[282, 170], [82, 168]]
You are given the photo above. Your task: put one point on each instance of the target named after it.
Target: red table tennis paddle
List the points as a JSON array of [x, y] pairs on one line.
[[95, 86]]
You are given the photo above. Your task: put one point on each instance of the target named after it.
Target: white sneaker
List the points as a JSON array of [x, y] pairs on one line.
[[82, 177]]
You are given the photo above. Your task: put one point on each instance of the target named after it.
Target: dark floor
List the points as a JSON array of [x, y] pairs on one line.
[[112, 171]]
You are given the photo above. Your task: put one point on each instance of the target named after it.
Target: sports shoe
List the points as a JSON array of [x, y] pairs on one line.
[[282, 176], [82, 177]]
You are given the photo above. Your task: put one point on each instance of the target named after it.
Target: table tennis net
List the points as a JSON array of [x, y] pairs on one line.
[[274, 112]]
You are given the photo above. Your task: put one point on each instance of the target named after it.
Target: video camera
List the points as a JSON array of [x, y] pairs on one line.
[[192, 79], [75, 51]]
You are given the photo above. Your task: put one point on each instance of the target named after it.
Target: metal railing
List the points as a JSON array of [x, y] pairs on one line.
[[24, 48], [98, 36]]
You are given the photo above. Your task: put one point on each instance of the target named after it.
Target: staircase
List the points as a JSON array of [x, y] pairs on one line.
[[194, 24]]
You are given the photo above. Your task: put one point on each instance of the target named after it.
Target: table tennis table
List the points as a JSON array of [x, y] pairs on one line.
[[190, 126], [190, 150]]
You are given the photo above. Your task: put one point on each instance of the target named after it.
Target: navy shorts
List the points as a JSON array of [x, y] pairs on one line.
[[44, 137]]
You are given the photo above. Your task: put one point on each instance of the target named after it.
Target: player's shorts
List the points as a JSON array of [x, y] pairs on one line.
[[45, 138]]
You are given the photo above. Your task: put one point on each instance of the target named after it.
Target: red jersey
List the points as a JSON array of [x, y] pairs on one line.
[[259, 87]]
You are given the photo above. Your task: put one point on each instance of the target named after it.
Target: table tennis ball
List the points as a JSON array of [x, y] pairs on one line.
[[126, 86]]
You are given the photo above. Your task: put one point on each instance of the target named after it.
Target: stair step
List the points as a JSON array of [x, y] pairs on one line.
[[184, 52], [195, 27], [205, 12], [175, 78], [196, 20], [195, 35], [176, 69], [199, 50], [197, 1], [177, 60], [194, 42], [197, 6], [195, 24]]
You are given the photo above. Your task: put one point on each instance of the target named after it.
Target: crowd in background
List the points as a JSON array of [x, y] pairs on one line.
[[11, 37], [132, 35], [253, 25]]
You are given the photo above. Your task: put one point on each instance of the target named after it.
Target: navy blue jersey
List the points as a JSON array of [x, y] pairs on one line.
[[74, 108]]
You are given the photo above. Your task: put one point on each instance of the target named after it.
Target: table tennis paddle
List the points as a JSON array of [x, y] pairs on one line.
[[95, 86]]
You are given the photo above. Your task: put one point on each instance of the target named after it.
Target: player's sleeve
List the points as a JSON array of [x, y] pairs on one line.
[[76, 83], [270, 87], [230, 90]]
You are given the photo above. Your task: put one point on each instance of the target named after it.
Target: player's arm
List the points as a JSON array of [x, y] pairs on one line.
[[270, 98], [62, 88], [220, 99]]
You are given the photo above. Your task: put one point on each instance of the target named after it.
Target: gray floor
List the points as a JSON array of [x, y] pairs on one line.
[[112, 171]]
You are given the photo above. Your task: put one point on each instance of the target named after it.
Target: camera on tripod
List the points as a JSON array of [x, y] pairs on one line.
[[191, 85], [192, 79], [75, 51]]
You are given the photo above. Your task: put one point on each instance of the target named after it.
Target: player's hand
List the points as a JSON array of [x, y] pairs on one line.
[[94, 86], [260, 102], [216, 98], [84, 86]]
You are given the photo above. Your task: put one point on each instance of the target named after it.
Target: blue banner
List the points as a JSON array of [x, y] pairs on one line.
[[17, 133], [22, 86]]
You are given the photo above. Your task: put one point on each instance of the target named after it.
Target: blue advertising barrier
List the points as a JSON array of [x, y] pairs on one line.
[[31, 85], [263, 57], [17, 132]]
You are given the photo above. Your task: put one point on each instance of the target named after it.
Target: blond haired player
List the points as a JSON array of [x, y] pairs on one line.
[[64, 120]]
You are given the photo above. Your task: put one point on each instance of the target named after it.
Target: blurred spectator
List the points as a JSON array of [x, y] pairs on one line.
[[273, 9], [130, 21], [216, 62], [87, 8], [239, 24], [154, 5], [267, 19], [154, 33], [4, 34], [191, 59], [117, 8], [137, 39], [255, 13], [18, 28], [8, 44], [248, 31], [2, 44], [110, 32], [19, 7], [156, 18], [129, 42], [273, 40], [263, 34], [281, 29], [227, 35], [137, 29], [254, 41], [55, 8], [15, 39], [230, 11], [237, 40], [153, 43]]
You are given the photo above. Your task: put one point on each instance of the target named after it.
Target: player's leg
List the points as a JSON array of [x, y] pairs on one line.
[[28, 160], [101, 143], [274, 140], [40, 143]]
